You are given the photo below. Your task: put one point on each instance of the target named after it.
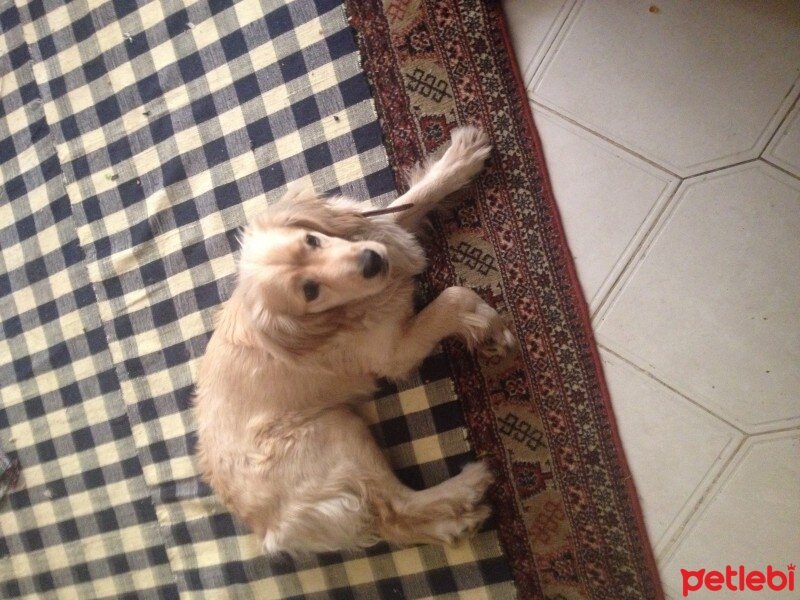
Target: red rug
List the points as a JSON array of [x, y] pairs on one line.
[[568, 514]]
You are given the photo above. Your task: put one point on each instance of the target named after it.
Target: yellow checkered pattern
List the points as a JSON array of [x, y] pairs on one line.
[[135, 139]]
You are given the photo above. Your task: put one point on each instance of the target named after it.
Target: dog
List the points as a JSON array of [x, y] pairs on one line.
[[322, 308]]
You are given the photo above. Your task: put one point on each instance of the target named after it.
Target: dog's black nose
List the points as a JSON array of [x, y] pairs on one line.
[[371, 263]]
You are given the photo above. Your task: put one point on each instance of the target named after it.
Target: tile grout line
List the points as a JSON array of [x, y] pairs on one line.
[[709, 493], [605, 138], [653, 377], [554, 112], [569, 18], [688, 508], [779, 168], [728, 166], [771, 431], [647, 241], [636, 255], [636, 251], [531, 73], [795, 87], [631, 251], [632, 248]]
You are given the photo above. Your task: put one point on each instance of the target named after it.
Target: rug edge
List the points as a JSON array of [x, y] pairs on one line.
[[581, 304]]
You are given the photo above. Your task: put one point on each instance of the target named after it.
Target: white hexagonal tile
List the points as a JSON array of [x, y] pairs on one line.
[[712, 307], [784, 148], [691, 85], [661, 430], [751, 518], [533, 27], [607, 198]]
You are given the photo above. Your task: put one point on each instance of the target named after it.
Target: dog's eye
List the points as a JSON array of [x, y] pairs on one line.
[[311, 290], [312, 241]]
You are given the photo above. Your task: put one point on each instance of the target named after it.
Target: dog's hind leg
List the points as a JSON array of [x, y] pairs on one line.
[[434, 181], [323, 524], [442, 514], [384, 509]]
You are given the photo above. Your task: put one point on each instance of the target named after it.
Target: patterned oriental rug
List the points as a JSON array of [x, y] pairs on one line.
[[135, 139], [567, 512]]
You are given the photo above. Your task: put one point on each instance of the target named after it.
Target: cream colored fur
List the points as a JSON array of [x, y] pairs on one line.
[[279, 440]]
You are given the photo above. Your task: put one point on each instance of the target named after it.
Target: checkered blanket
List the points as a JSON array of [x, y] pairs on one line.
[[135, 139]]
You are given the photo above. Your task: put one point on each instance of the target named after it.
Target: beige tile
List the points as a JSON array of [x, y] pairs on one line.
[[751, 518], [712, 307], [607, 199], [533, 27], [674, 448], [784, 149], [693, 85]]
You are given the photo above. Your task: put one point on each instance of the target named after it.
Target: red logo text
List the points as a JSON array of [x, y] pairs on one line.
[[738, 580]]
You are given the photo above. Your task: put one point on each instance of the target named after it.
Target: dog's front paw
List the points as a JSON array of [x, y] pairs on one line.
[[465, 157], [485, 330], [500, 344]]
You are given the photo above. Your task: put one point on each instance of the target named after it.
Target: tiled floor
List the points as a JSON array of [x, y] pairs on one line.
[[672, 135]]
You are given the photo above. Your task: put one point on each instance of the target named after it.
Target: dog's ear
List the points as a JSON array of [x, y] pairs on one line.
[[287, 334], [298, 336], [235, 322], [302, 207], [246, 316]]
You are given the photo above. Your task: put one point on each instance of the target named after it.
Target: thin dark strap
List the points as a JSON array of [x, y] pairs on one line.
[[386, 210]]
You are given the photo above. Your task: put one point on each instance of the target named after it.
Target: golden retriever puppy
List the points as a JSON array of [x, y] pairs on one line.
[[323, 307]]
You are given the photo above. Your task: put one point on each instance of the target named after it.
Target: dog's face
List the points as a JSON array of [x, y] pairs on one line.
[[306, 255], [299, 270]]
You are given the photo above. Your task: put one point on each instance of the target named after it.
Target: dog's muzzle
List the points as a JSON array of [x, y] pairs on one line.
[[371, 263]]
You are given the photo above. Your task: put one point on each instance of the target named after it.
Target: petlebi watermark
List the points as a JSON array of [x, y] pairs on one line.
[[739, 579]]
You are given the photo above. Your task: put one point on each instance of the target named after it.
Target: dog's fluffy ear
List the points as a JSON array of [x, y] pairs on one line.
[[302, 207], [297, 336], [245, 317]]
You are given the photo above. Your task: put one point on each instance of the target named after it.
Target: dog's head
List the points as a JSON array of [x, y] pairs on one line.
[[306, 255]]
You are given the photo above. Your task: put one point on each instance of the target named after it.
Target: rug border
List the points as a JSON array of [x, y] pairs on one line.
[[580, 301], [498, 24]]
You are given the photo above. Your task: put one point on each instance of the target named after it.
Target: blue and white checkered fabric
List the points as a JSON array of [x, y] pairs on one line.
[[135, 139]]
